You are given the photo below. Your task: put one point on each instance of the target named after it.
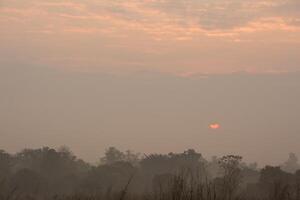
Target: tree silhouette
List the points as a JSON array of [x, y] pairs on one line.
[[231, 179]]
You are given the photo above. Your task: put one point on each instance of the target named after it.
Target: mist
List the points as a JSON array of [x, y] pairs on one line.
[[150, 112]]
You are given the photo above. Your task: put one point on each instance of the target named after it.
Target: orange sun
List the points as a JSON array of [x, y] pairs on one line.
[[214, 126]]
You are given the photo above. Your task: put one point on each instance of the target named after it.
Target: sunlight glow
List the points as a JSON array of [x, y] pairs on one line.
[[214, 126]]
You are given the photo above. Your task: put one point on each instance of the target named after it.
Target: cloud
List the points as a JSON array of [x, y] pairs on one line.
[[177, 36], [227, 14], [161, 17]]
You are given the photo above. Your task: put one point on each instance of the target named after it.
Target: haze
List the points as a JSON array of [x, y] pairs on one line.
[[151, 76]]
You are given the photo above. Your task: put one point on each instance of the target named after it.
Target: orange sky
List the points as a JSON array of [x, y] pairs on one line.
[[182, 37], [134, 73]]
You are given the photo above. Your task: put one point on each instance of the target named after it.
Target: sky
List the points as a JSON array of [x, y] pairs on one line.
[[152, 76]]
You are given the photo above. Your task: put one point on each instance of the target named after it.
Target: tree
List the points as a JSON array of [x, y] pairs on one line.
[[5, 164], [231, 179], [112, 155], [297, 184], [291, 165], [275, 183], [132, 157], [28, 182]]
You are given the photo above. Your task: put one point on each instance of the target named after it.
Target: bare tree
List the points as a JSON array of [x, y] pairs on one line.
[[230, 166]]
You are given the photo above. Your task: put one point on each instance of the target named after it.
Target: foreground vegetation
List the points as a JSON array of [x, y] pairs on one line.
[[57, 174]]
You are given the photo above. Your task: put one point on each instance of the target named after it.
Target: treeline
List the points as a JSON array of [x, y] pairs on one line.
[[48, 173]]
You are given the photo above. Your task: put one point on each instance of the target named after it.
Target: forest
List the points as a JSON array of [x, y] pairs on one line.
[[48, 173]]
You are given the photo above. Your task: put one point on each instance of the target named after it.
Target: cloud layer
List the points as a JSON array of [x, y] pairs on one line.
[[154, 15], [151, 34]]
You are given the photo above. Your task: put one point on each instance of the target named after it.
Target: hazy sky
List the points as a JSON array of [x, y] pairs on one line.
[[175, 36], [151, 75]]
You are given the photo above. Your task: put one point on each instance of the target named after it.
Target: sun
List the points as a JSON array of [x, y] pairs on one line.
[[214, 126]]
